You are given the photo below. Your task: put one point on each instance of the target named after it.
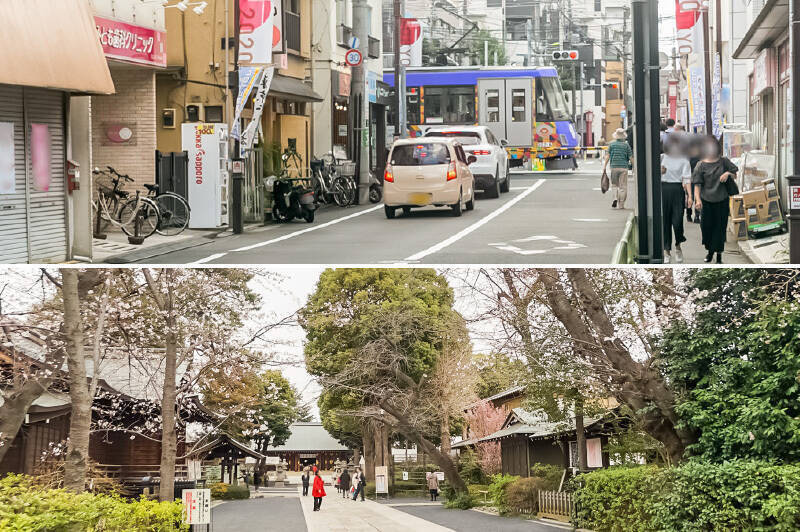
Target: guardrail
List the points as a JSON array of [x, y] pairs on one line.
[[627, 248]]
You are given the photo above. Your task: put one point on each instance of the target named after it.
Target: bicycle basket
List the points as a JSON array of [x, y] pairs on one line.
[[347, 168]]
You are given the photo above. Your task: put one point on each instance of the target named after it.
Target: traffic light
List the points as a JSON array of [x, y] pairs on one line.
[[565, 55], [611, 85]]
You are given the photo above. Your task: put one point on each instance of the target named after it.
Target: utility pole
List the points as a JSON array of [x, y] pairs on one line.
[[399, 73], [646, 131], [794, 180], [573, 91], [359, 104], [503, 25], [582, 132], [529, 36], [237, 179]]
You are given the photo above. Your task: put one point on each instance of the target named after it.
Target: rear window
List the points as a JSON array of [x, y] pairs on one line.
[[464, 137], [420, 154]]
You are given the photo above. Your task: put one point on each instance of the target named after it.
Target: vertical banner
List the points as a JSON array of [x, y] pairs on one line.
[[40, 157], [249, 134], [716, 98], [248, 77], [410, 42], [696, 79], [257, 38], [7, 172]]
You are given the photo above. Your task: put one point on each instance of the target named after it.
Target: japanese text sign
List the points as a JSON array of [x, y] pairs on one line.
[[131, 43]]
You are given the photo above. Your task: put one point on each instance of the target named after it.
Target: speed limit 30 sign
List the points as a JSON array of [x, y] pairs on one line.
[[353, 58]]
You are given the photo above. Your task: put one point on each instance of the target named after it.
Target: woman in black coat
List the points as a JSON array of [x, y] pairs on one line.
[[714, 181], [344, 483]]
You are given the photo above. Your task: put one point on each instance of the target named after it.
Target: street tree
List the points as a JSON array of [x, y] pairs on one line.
[[374, 337], [483, 419]]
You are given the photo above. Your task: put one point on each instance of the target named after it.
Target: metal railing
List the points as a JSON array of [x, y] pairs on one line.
[[627, 248], [374, 49], [292, 29]]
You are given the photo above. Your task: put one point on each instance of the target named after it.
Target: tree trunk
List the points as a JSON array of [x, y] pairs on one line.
[[356, 456], [169, 444], [369, 452], [81, 414], [12, 413], [580, 435], [444, 431]]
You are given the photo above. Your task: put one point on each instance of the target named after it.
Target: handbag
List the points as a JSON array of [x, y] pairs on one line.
[[731, 186], [604, 182]]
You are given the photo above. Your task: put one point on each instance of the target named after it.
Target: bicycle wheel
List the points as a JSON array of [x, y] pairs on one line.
[[343, 191], [174, 212], [145, 212]]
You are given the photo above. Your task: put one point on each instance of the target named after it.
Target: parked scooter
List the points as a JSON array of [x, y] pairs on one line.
[[375, 189], [293, 200]]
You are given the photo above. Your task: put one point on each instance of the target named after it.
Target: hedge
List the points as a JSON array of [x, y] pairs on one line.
[[25, 506], [736, 495], [228, 492]]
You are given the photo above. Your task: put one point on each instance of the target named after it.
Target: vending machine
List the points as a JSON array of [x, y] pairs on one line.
[[207, 190]]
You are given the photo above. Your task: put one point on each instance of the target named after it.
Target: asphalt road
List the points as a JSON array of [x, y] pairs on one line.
[[547, 217], [278, 511], [470, 520]]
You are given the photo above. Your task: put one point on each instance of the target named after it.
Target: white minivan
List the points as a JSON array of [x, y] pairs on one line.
[[428, 171]]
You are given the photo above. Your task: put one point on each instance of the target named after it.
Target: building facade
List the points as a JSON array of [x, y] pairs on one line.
[[310, 445]]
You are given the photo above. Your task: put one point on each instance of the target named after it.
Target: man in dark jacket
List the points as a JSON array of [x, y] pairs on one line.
[[305, 479]]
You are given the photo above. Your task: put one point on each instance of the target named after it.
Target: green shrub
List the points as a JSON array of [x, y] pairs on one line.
[[409, 485], [550, 475], [736, 495], [478, 497], [227, 492], [462, 501], [497, 491], [27, 507], [470, 469], [522, 495]]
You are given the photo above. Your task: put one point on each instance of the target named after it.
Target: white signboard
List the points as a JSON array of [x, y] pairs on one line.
[[194, 469], [405, 475], [7, 176], [381, 479], [272, 460], [197, 506], [794, 198], [439, 476]]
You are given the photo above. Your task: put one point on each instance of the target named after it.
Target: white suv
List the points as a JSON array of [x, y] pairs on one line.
[[491, 167]]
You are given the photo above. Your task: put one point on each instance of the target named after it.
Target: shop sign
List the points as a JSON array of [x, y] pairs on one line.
[[131, 43], [794, 198], [761, 72], [341, 83]]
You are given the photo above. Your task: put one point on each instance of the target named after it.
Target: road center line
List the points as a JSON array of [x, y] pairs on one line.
[[486, 219], [307, 230], [215, 256]]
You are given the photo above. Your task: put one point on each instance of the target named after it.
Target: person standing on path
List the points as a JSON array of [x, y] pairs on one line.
[[714, 181], [344, 482], [318, 491], [305, 480], [433, 486], [676, 175], [360, 483], [619, 158]]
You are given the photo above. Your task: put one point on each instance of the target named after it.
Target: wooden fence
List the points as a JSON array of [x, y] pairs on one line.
[[555, 504]]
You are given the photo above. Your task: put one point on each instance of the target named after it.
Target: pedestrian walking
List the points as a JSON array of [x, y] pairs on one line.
[[676, 176], [714, 181], [433, 485], [619, 158], [359, 483], [318, 491], [344, 480], [693, 148], [305, 479], [336, 480], [257, 478]]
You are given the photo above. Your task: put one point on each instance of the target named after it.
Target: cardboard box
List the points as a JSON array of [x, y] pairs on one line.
[[739, 228], [753, 217], [770, 188], [737, 207], [769, 212], [754, 196]]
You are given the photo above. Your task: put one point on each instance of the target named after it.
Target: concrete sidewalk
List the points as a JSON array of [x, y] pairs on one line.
[[694, 252], [340, 514]]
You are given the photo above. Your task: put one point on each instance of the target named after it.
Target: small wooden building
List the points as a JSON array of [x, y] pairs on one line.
[[527, 438], [310, 444], [229, 451]]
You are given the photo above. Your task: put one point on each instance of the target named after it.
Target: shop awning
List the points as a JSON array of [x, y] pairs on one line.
[[52, 45], [293, 89], [771, 22]]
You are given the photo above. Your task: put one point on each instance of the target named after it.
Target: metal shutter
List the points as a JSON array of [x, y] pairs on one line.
[[47, 230], [13, 213]]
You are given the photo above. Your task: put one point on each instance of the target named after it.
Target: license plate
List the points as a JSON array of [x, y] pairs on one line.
[[419, 198]]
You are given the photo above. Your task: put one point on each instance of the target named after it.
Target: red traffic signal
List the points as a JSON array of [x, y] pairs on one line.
[[565, 55]]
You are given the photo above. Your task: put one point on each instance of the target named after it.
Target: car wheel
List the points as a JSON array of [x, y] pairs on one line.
[[406, 211], [471, 203], [389, 211], [506, 185], [457, 206], [494, 190]]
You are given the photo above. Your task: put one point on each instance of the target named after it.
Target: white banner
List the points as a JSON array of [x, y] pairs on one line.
[[248, 78], [716, 98], [249, 134], [256, 32]]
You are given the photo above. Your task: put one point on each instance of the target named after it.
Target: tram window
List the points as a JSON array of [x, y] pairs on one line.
[[412, 105], [433, 105], [518, 106], [460, 105], [493, 105], [550, 102]]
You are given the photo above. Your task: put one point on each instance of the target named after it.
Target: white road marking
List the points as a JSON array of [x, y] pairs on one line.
[[215, 256], [566, 244], [308, 230], [590, 219], [483, 221]]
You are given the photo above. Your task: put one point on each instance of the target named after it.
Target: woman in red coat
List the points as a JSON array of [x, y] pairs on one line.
[[318, 491]]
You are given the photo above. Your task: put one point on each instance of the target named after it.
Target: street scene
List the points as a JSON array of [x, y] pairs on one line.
[[398, 132], [395, 399]]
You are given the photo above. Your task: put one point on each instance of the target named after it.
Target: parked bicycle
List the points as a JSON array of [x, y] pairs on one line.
[[173, 208], [137, 217], [329, 185]]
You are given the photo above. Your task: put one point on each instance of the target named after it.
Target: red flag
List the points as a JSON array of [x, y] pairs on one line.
[[687, 17]]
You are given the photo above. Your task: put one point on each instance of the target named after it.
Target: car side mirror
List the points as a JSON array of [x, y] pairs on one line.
[[471, 159], [503, 142]]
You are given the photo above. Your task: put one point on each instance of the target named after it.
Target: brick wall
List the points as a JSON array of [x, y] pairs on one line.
[[133, 106]]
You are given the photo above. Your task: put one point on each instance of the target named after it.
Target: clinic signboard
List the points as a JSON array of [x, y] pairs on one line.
[[130, 43]]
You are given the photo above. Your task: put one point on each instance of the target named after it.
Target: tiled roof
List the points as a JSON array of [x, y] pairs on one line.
[[310, 437]]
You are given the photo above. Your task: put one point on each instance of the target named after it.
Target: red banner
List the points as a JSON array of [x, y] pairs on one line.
[[686, 13], [131, 43]]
